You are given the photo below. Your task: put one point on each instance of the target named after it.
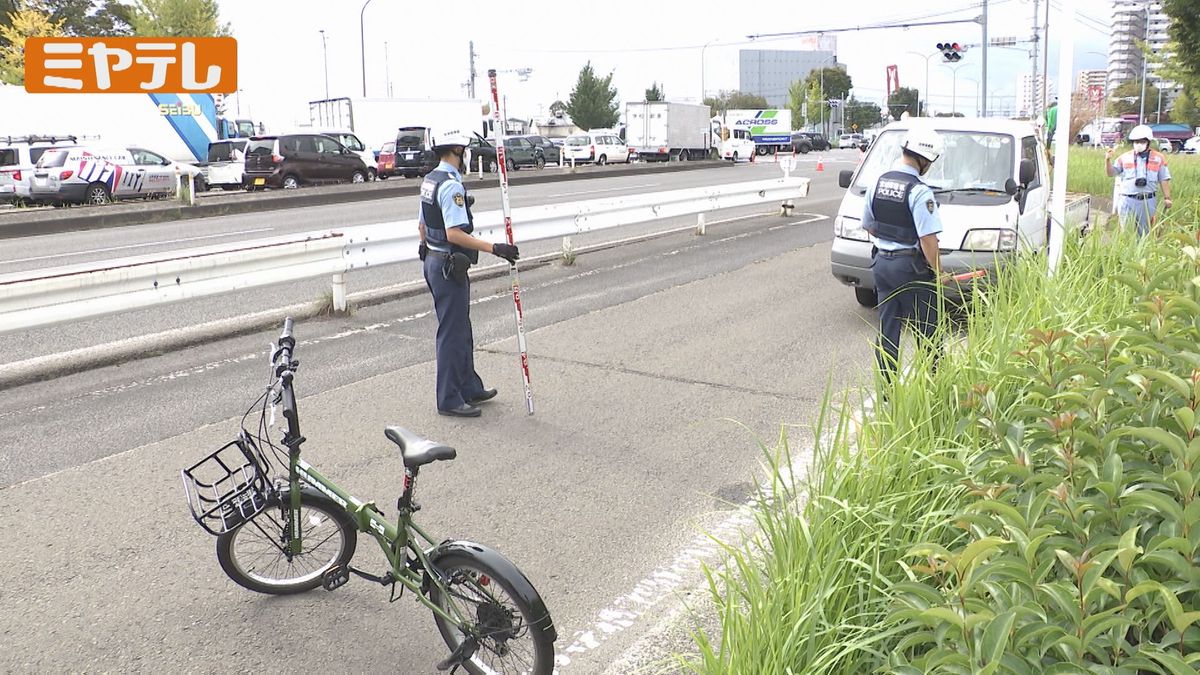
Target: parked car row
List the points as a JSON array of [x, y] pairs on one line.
[[411, 154], [60, 171]]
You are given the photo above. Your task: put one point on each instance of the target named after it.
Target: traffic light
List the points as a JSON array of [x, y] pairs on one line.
[[951, 51]]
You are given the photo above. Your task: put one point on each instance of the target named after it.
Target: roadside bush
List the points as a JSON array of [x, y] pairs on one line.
[[1031, 507]]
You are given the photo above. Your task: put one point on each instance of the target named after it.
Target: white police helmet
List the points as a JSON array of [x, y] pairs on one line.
[[926, 143], [1141, 133], [448, 139]]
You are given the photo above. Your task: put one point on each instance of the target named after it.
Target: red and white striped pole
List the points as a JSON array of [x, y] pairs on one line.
[[508, 232]]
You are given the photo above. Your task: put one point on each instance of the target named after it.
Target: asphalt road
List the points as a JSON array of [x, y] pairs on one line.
[[22, 256], [657, 368]]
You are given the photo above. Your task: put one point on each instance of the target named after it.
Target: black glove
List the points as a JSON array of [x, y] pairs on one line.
[[421, 251], [506, 251]]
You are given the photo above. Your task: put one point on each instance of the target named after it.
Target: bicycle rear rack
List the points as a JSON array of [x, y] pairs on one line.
[[228, 487]]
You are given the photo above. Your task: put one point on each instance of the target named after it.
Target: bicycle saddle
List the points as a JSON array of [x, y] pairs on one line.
[[416, 450]]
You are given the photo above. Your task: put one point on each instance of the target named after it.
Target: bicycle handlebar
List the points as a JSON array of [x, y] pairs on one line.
[[284, 369]]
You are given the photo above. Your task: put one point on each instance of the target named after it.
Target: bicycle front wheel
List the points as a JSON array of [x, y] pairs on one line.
[[255, 556], [499, 609]]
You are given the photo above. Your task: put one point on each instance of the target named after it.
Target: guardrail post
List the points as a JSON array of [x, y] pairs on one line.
[[562, 157], [339, 292], [480, 164], [785, 209], [700, 224], [191, 190]]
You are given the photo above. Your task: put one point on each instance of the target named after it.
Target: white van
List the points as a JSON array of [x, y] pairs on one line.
[[94, 175], [991, 186], [601, 147], [18, 155]]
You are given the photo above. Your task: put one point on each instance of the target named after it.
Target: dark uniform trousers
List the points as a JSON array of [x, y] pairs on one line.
[[457, 381], [906, 287]]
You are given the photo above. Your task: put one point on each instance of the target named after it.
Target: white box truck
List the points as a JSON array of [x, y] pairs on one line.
[[664, 131], [770, 129], [376, 120], [177, 126]]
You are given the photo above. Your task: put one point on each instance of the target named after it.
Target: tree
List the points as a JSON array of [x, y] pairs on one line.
[[32, 21], [1185, 33], [903, 100], [655, 93], [593, 102], [1186, 110], [558, 108], [734, 100], [861, 114], [90, 18], [1126, 98], [177, 18], [837, 82]]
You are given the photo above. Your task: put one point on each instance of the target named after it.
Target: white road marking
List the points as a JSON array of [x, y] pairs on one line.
[[614, 189], [129, 246], [812, 218]]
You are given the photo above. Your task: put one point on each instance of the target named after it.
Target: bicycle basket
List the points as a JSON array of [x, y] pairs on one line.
[[229, 486]]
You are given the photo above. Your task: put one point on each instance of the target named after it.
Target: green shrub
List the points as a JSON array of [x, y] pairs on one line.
[[1031, 507]]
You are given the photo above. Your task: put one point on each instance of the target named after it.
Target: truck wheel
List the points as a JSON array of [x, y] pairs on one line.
[[734, 159], [602, 160], [761, 151], [866, 297], [97, 193]]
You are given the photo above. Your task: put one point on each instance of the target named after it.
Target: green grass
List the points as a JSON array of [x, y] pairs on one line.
[[1085, 172], [814, 590]]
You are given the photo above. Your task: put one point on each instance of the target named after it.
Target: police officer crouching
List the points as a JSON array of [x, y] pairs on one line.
[[902, 214], [448, 250]]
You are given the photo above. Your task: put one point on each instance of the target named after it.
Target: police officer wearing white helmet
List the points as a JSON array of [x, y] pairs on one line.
[[448, 250], [901, 213], [1140, 171]]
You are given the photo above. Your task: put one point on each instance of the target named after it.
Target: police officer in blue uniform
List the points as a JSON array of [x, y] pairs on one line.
[[901, 213], [448, 250], [1139, 172]]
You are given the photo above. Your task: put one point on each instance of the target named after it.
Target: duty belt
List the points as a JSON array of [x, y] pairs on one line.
[[904, 252], [1142, 196]]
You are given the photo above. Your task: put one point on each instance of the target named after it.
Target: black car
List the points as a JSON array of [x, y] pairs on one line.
[[805, 142], [414, 157], [518, 152], [549, 150], [292, 160]]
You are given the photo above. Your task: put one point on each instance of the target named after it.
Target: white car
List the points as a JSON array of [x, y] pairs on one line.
[[598, 147], [1191, 146], [850, 141], [148, 158], [93, 175], [18, 156]]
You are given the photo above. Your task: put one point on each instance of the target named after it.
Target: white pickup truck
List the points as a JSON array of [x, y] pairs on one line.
[[993, 192]]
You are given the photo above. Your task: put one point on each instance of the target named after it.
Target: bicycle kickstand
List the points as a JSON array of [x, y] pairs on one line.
[[464, 651]]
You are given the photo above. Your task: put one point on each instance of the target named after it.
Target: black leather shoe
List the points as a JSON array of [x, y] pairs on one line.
[[487, 395], [464, 410]]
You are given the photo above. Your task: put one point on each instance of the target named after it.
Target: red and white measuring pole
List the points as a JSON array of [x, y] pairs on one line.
[[508, 232]]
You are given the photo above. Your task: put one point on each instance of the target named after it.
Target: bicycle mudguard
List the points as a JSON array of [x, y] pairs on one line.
[[521, 584]]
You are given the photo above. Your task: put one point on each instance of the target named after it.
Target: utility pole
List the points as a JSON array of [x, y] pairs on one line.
[[387, 70], [362, 43], [1033, 88], [1146, 39], [985, 51], [1046, 60], [324, 50], [471, 81]]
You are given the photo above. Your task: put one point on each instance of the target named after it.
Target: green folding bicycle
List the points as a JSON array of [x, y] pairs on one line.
[[282, 536]]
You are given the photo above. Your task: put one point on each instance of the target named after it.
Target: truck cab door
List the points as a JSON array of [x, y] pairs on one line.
[[1032, 223]]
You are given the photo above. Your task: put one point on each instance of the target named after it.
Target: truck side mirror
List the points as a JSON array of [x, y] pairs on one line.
[[845, 177], [1028, 171], [1011, 187]]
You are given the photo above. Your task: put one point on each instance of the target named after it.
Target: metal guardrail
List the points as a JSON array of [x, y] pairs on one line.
[[48, 296]]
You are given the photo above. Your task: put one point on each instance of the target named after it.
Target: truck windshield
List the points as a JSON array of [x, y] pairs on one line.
[[246, 128], [973, 160]]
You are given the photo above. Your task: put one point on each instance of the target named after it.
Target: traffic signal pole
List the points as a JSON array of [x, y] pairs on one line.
[[984, 84]]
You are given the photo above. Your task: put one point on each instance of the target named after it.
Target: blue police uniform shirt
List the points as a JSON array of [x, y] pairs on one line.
[[928, 221], [454, 213], [1153, 169]]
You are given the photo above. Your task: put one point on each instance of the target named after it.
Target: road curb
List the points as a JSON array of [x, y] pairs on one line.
[[119, 215], [52, 366]]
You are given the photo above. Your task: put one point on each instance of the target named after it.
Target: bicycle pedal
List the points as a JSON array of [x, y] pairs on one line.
[[335, 577]]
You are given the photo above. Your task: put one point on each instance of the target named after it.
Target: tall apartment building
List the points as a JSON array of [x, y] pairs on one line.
[[771, 72], [1091, 78], [1028, 87], [1135, 22]]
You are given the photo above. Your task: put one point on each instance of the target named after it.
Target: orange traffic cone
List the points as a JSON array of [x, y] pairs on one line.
[[820, 164]]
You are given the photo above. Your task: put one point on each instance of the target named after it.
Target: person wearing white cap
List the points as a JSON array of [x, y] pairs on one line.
[[1139, 172]]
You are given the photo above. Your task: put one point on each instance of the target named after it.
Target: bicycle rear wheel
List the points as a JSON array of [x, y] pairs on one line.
[[513, 629], [253, 553]]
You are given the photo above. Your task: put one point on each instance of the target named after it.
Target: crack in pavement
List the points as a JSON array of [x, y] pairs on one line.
[[659, 376]]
